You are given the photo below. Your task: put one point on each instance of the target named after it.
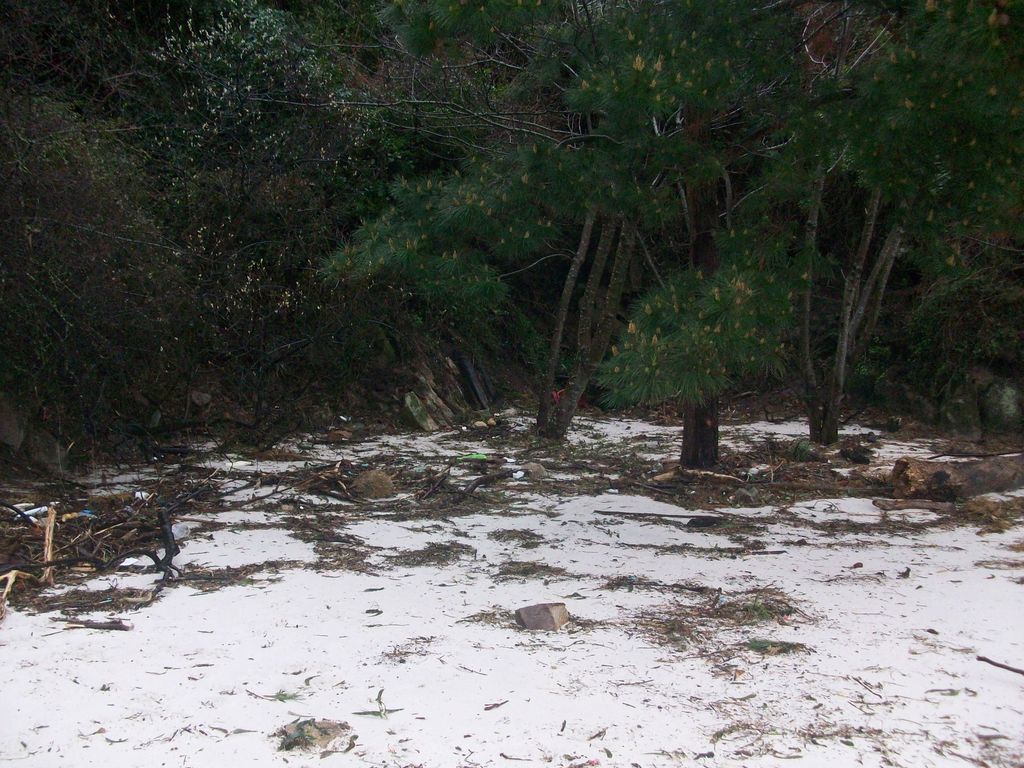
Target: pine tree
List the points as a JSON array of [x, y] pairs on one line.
[[604, 127], [924, 121]]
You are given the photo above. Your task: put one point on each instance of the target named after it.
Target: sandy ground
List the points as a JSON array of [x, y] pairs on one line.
[[826, 632]]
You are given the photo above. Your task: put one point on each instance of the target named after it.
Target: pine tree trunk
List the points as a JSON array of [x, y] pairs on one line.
[[700, 421], [700, 435], [545, 427], [824, 420], [597, 322]]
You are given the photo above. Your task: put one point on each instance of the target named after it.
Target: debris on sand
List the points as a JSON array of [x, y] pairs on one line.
[[311, 734]]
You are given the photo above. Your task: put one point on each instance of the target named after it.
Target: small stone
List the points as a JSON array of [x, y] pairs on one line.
[[747, 496], [548, 617], [373, 484], [337, 436], [479, 425], [200, 399], [535, 471]]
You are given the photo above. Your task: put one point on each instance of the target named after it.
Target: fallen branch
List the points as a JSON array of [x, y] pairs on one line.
[[51, 521], [487, 480], [950, 480], [892, 505], [696, 475], [27, 519], [435, 486], [659, 514], [10, 577], [118, 625], [1007, 667]]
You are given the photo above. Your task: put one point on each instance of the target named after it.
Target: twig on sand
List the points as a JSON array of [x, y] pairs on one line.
[[487, 480], [51, 521], [10, 577], [658, 514], [695, 475], [113, 624], [1007, 667]]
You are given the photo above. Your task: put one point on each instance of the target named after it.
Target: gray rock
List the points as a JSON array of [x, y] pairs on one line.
[[747, 496], [1001, 407], [549, 617], [200, 399], [13, 424], [415, 413], [42, 448], [436, 407], [534, 470], [960, 413]]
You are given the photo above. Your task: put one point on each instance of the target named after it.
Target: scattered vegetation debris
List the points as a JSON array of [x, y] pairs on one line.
[[679, 624], [402, 652], [804, 450], [855, 451], [528, 569], [75, 601], [209, 579], [311, 734], [994, 515], [521, 537], [775, 647], [673, 625], [117, 625], [756, 608], [630, 583], [495, 616], [434, 554], [382, 711], [93, 535]]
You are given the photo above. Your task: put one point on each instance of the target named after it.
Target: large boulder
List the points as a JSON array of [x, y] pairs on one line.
[[416, 414], [43, 449], [960, 413], [1001, 406]]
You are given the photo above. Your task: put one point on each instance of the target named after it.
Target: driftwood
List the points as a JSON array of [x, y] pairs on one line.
[[696, 475], [951, 480], [891, 505], [694, 516], [494, 477], [1007, 667]]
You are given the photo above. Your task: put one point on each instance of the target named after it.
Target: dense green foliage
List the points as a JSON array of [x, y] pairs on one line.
[[174, 177], [705, 190]]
